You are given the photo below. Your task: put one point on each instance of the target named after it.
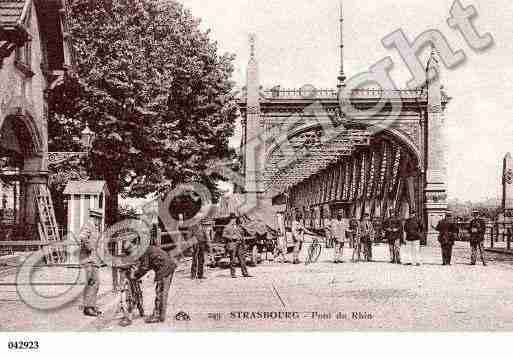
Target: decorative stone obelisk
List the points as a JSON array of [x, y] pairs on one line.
[[507, 185], [436, 169], [253, 120], [254, 141]]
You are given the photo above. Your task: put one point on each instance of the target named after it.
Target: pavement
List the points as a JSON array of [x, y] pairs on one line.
[[321, 296]]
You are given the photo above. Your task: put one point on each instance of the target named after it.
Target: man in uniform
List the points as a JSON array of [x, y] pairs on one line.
[[298, 231], [157, 260], [477, 231], [413, 228], [90, 262], [330, 238], [447, 234], [281, 240], [202, 244], [354, 230], [367, 236], [339, 227], [393, 233], [232, 233]]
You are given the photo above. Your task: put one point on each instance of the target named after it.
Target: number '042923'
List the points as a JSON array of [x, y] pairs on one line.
[[23, 345]]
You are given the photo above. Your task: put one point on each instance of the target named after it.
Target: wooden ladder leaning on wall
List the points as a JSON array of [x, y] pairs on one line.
[[47, 226]]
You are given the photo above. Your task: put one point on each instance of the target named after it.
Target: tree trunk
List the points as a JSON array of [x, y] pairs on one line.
[[112, 209]]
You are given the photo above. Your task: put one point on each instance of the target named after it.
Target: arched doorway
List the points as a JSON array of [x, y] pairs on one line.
[[21, 172]]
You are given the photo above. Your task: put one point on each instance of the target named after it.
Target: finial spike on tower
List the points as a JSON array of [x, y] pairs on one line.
[[341, 76], [252, 43]]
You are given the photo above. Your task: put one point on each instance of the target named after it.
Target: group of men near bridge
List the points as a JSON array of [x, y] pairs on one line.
[[358, 235]]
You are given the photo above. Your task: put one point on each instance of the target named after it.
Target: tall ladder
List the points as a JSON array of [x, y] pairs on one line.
[[47, 226]]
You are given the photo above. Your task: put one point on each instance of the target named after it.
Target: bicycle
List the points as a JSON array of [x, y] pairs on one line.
[[130, 297], [314, 252]]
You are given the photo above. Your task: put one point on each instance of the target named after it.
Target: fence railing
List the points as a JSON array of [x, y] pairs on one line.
[[501, 232], [497, 234]]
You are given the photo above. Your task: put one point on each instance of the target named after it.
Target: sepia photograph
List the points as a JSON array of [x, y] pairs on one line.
[[255, 166]]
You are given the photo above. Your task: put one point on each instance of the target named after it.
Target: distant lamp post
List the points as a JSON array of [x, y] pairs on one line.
[[87, 138]]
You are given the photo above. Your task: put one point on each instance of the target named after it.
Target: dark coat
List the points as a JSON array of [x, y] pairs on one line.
[[201, 236], [232, 232], [155, 259], [477, 228], [393, 229], [448, 232], [413, 228]]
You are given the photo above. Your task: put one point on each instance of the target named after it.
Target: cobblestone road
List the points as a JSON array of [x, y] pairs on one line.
[[323, 295]]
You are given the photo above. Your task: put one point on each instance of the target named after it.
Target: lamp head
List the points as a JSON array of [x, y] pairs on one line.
[[87, 138]]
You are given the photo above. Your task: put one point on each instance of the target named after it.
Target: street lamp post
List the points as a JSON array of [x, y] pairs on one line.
[[86, 140]]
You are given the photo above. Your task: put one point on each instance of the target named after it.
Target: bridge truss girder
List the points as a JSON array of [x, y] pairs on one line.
[[372, 179]]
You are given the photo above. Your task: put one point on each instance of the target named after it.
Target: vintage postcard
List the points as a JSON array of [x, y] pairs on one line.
[[292, 165]]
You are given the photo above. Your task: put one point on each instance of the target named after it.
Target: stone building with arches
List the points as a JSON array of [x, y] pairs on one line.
[[34, 55]]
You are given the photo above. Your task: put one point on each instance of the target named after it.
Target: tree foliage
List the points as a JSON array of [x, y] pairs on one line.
[[151, 85]]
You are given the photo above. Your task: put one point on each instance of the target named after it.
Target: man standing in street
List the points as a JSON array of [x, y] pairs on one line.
[[367, 236], [328, 228], [447, 234], [201, 237], [477, 232], [281, 240], [413, 228], [90, 262], [393, 234], [298, 231], [339, 227], [354, 229], [157, 260], [232, 233]]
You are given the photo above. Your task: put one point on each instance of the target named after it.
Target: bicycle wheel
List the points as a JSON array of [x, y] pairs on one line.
[[316, 253], [311, 252], [138, 296], [129, 298]]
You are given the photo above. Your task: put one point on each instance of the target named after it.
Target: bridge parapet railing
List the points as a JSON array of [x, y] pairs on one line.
[[311, 93]]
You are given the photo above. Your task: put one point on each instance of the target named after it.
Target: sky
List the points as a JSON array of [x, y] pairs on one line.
[[297, 44]]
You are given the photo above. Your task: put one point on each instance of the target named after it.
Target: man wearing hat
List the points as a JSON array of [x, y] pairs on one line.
[[233, 235], [477, 228], [298, 231], [354, 232], [339, 227], [447, 235], [367, 236], [413, 228], [393, 233], [88, 237], [200, 235]]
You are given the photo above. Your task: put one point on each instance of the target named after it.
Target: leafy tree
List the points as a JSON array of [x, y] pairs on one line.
[[153, 88]]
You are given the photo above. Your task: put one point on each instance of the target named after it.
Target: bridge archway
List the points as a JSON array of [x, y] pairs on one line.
[[371, 176]]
